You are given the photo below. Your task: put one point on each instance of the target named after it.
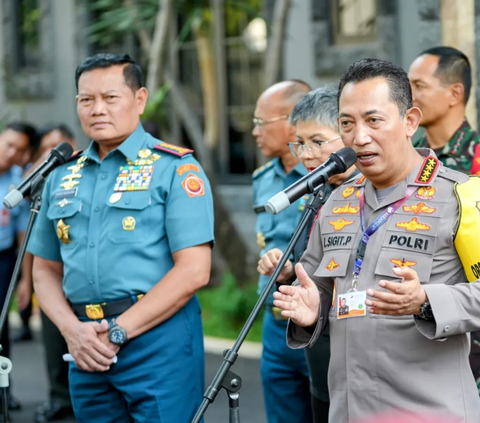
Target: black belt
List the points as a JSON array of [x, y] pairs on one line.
[[99, 311]]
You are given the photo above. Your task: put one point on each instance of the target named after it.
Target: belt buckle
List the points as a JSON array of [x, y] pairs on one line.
[[94, 311], [277, 313]]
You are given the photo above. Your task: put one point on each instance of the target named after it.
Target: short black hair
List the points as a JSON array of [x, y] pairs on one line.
[[24, 128], [64, 129], [397, 79], [132, 72], [453, 67]]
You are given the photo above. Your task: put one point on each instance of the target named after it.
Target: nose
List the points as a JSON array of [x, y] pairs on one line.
[[256, 131], [361, 136], [98, 107]]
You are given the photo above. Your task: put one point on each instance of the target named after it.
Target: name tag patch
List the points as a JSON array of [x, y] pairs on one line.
[[65, 193]]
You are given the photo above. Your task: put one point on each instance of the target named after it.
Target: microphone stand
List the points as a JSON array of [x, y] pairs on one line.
[[224, 377], [5, 363]]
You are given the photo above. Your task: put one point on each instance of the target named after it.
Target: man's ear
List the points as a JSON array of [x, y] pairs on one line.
[[141, 97], [457, 94], [412, 120]]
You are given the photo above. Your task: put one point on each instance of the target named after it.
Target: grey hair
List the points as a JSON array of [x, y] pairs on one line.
[[320, 106]]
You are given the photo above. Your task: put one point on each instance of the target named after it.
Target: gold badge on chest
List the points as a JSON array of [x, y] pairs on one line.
[[62, 232]]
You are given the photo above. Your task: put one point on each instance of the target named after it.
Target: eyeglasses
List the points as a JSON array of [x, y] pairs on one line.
[[262, 122], [298, 149]]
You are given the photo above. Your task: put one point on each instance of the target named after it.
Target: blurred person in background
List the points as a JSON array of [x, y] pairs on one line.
[[284, 372], [59, 405], [315, 120], [15, 144], [441, 80]]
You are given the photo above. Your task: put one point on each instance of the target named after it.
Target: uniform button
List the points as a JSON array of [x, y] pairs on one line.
[[96, 209], [62, 211], [442, 169], [104, 176], [128, 201], [91, 281], [92, 244], [446, 328]]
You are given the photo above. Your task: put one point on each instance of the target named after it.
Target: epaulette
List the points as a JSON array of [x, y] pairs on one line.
[[452, 175], [262, 169], [75, 155], [173, 149]]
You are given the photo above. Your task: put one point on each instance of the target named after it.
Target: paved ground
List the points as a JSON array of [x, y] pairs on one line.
[[30, 385]]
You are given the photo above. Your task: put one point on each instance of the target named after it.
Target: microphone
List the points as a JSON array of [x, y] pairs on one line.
[[58, 156], [338, 162]]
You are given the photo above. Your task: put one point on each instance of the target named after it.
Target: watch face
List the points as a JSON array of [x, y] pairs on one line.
[[117, 336]]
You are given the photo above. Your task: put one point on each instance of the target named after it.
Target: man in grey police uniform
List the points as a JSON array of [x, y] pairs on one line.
[[122, 242], [408, 268]]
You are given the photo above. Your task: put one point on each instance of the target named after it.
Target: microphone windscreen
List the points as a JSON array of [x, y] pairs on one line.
[[345, 158], [62, 152]]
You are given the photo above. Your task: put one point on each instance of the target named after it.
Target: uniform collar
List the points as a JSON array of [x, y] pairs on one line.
[[278, 168], [422, 176], [129, 148]]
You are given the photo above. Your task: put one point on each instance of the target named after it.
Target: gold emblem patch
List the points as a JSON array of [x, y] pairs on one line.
[[339, 224], [425, 193], [348, 209], [413, 226], [94, 311], [128, 223], [347, 192], [62, 232], [403, 263], [261, 240], [419, 208], [332, 265]]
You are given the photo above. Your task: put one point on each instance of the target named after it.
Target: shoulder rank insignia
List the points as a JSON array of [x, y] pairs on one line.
[[361, 180], [259, 171], [427, 170], [468, 227], [173, 149]]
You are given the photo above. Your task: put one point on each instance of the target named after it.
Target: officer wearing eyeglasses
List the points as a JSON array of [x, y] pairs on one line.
[[284, 371], [315, 120]]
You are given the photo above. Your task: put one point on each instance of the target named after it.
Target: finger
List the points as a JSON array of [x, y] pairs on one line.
[[303, 276], [273, 259], [92, 363], [383, 311], [267, 263], [287, 290], [281, 297], [380, 305], [102, 326], [277, 254], [395, 287], [285, 305], [103, 351], [407, 273], [386, 297]]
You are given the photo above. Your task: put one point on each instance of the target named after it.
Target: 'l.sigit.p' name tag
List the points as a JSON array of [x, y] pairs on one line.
[[351, 304]]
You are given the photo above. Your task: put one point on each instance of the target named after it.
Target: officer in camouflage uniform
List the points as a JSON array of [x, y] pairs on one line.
[[441, 80]]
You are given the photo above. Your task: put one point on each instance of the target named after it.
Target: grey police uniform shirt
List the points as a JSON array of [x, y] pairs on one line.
[[381, 362]]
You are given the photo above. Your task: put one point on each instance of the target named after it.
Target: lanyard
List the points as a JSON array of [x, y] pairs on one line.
[[372, 228]]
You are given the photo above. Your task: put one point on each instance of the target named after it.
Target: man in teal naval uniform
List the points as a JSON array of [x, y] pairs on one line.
[[285, 376], [122, 242]]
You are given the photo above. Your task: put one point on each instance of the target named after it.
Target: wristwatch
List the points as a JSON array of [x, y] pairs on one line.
[[426, 312], [116, 334]]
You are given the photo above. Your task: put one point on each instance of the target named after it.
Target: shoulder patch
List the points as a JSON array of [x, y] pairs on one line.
[[75, 155], [427, 170], [467, 231], [262, 169], [173, 149]]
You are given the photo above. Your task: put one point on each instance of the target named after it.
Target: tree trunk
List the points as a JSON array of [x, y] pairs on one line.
[[273, 55], [209, 88], [158, 47]]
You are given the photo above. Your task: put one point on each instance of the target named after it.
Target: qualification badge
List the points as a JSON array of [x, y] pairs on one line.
[[261, 240], [62, 232]]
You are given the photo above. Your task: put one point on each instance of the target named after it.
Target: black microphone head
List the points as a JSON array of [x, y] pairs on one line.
[[62, 152], [344, 158]]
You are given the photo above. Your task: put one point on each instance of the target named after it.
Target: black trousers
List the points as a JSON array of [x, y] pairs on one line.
[[7, 263], [57, 369]]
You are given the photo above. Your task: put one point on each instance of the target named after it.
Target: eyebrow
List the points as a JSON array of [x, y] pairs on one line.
[[319, 134], [367, 113], [104, 93]]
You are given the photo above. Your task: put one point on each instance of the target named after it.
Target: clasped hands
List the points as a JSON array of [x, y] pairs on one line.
[[301, 303], [89, 345]]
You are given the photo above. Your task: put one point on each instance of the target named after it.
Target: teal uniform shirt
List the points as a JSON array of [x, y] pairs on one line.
[[15, 220], [275, 231], [115, 223]]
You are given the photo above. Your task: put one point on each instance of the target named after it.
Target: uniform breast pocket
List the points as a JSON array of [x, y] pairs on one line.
[[128, 219], [65, 217]]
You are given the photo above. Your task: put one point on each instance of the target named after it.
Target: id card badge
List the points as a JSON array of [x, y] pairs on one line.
[[351, 304]]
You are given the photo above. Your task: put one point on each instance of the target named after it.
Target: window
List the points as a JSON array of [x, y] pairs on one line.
[[354, 21], [27, 40]]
